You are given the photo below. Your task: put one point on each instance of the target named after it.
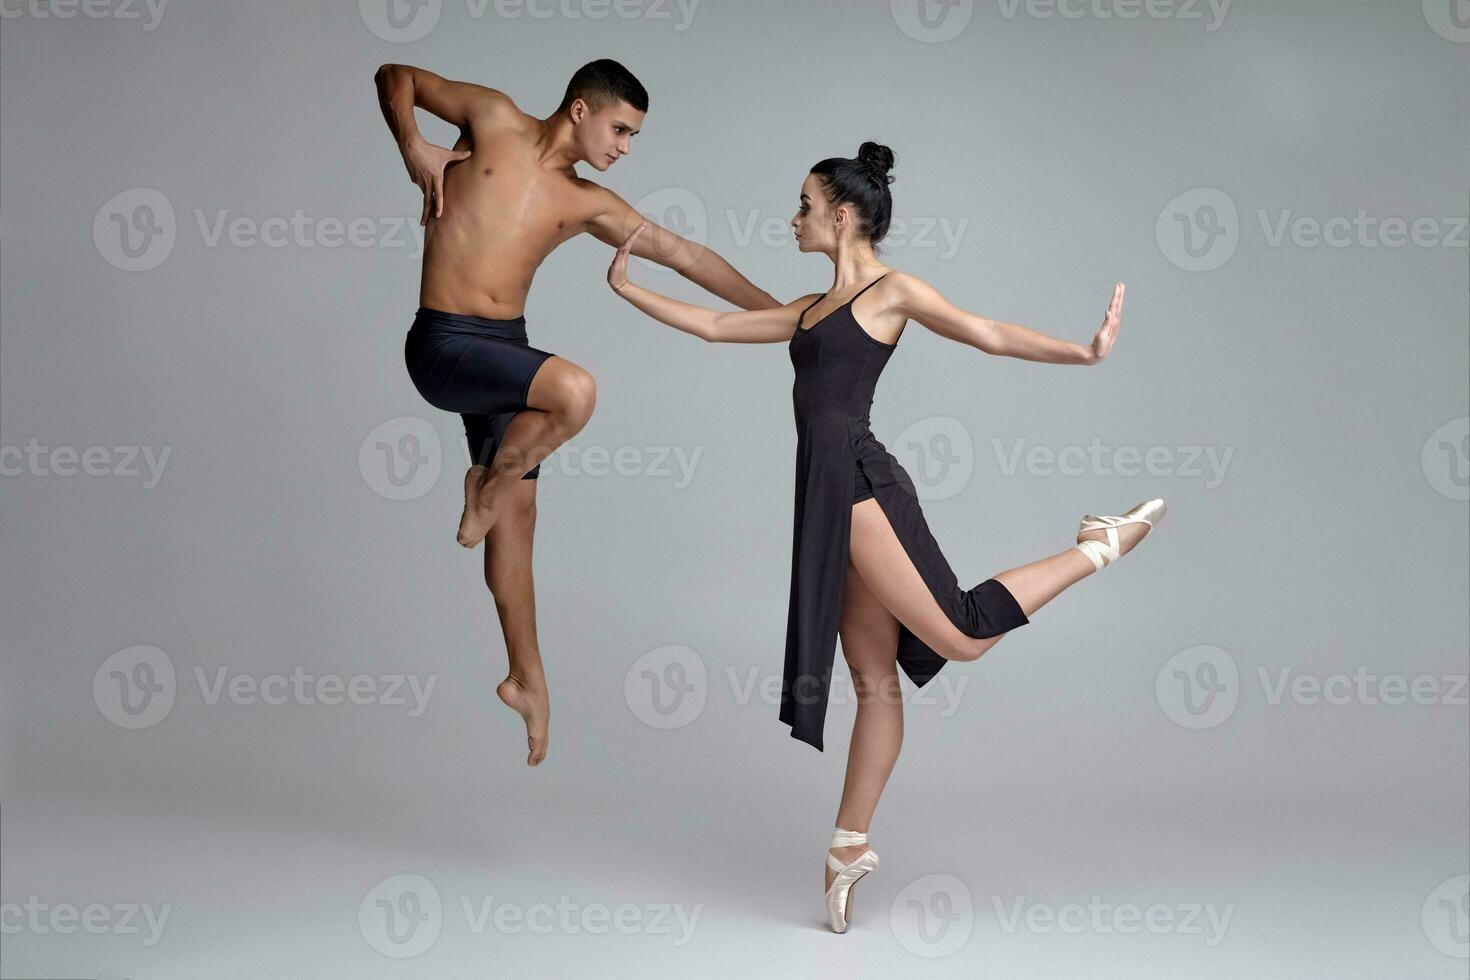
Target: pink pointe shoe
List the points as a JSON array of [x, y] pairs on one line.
[[1102, 553], [839, 895]]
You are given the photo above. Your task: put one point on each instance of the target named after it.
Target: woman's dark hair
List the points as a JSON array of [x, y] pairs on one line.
[[602, 82], [862, 181]]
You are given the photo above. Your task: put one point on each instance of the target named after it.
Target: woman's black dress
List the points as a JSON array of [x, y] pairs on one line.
[[838, 463]]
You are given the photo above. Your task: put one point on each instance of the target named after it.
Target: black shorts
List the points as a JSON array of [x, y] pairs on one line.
[[480, 368]]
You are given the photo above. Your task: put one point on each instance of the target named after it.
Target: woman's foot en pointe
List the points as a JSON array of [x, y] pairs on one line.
[[1103, 540], [529, 699], [848, 859]]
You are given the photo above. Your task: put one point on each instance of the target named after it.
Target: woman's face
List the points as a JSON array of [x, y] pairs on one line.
[[816, 223]]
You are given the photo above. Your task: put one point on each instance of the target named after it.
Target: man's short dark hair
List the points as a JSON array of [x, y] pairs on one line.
[[603, 82]]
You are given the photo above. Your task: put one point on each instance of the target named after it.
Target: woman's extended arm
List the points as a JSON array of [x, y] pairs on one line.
[[738, 327], [922, 302]]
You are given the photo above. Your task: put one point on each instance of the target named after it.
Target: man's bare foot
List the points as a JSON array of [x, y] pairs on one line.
[[529, 699], [479, 513]]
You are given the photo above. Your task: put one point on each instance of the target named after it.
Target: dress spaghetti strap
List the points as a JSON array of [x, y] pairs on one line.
[[814, 302], [866, 288], [803, 314]]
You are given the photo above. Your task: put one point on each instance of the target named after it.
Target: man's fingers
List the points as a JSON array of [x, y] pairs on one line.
[[439, 197]]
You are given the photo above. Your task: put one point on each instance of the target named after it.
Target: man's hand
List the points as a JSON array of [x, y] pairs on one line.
[[426, 164]]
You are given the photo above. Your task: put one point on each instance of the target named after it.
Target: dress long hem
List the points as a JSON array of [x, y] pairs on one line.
[[989, 609]]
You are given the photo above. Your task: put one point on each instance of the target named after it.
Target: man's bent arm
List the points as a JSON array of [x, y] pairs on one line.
[[402, 87]]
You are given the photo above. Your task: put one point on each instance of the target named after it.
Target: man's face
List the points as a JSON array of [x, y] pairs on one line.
[[604, 136]]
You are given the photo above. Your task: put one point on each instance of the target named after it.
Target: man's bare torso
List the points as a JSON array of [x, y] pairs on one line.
[[503, 214]]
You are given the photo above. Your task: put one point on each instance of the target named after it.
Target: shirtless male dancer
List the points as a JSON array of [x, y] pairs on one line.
[[513, 196]]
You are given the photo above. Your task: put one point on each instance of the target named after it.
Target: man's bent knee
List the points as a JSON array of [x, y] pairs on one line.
[[572, 394]]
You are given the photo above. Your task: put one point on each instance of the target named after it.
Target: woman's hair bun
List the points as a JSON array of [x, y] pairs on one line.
[[877, 158]]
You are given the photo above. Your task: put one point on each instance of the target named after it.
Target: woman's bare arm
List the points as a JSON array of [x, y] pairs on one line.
[[923, 303], [766, 326]]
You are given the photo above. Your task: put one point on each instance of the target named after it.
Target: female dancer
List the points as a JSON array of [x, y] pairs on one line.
[[863, 560]]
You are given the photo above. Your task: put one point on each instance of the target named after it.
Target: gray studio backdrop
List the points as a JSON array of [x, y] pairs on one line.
[[248, 690]]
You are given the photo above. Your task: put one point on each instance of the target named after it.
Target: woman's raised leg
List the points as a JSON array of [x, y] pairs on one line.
[[889, 572]]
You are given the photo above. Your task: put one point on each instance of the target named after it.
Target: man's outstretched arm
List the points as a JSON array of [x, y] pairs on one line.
[[700, 264], [400, 89]]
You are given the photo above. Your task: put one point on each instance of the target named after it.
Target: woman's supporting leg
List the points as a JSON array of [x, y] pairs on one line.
[[889, 572], [508, 576], [870, 644], [560, 402]]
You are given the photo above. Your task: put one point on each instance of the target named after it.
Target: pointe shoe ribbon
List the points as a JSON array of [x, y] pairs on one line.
[[847, 875], [1102, 553]]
